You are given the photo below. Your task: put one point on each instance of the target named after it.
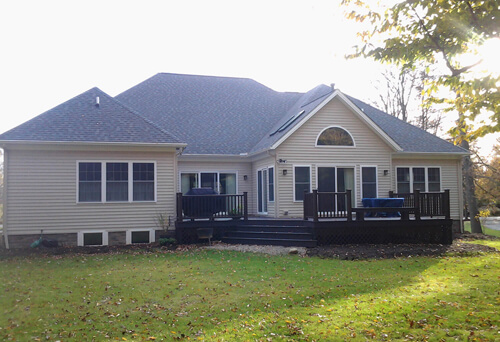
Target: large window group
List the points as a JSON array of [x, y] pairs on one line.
[[425, 179], [116, 181]]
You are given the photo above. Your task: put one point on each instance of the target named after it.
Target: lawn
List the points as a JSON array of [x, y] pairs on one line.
[[486, 230], [209, 295]]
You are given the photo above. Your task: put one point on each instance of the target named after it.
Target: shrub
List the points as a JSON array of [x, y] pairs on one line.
[[167, 241]]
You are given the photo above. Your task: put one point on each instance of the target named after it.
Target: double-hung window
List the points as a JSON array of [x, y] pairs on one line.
[[116, 181], [425, 179], [89, 182], [302, 180], [369, 181]]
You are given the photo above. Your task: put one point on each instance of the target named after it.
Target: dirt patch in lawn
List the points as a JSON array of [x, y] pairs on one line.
[[460, 246]]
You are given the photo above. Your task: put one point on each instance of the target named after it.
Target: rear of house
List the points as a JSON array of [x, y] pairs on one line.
[[98, 170]]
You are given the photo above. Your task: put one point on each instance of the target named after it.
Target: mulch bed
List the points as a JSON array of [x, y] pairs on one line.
[[459, 247]]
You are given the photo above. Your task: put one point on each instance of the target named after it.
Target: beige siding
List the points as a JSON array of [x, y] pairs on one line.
[[300, 150], [241, 169], [42, 193], [450, 178]]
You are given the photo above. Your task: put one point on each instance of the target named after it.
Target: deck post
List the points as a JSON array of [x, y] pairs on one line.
[[304, 205], [315, 205], [349, 204], [446, 204], [416, 199], [179, 207], [245, 206]]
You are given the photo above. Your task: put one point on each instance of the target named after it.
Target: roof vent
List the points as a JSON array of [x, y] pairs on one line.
[[333, 86], [97, 101]]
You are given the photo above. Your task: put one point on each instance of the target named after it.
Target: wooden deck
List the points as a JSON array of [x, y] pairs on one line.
[[320, 225]]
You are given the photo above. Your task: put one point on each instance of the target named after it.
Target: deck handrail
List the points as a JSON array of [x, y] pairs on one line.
[[211, 206], [428, 203], [320, 205]]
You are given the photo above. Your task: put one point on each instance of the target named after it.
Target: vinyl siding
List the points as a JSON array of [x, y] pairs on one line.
[[241, 169], [300, 150], [450, 178], [42, 193]]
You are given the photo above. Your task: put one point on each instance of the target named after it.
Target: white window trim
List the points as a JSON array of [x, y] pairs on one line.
[[104, 180], [361, 179], [335, 146], [426, 168], [128, 236], [293, 181], [181, 172], [81, 233], [274, 184]]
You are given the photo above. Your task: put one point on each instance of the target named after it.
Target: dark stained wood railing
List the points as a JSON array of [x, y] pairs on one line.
[[320, 205], [211, 206], [426, 203], [325, 205]]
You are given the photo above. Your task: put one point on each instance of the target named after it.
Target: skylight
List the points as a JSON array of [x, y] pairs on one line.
[[288, 123]]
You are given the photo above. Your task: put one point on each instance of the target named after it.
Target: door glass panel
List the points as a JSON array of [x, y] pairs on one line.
[[209, 180], [326, 183], [228, 183], [259, 191], [345, 181], [188, 182], [264, 189]]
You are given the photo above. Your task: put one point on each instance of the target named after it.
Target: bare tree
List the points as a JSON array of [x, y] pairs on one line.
[[402, 93]]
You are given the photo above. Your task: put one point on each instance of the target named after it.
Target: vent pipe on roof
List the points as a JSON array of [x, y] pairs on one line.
[[333, 86], [97, 101]]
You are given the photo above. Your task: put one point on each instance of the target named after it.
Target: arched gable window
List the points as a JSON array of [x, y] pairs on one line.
[[335, 136]]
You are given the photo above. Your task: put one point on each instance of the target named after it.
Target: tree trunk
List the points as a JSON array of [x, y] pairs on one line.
[[470, 191]]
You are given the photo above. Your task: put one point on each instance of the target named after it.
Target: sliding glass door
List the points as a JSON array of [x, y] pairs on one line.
[[224, 183], [335, 179]]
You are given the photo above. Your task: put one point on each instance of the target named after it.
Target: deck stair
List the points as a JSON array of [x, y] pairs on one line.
[[267, 232]]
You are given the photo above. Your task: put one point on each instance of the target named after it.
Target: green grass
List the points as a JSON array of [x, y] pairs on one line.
[[486, 230], [231, 296]]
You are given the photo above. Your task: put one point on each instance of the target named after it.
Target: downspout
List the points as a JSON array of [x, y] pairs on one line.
[[5, 182]]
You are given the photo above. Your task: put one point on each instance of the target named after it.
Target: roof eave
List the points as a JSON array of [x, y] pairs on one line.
[[7, 143], [403, 154]]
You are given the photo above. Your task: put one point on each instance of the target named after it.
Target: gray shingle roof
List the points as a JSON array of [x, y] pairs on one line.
[[410, 138], [214, 115], [80, 120]]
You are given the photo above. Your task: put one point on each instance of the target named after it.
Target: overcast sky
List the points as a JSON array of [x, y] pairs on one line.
[[52, 51]]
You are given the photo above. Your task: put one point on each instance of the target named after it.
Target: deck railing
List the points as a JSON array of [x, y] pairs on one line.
[[211, 206], [426, 203], [327, 205]]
